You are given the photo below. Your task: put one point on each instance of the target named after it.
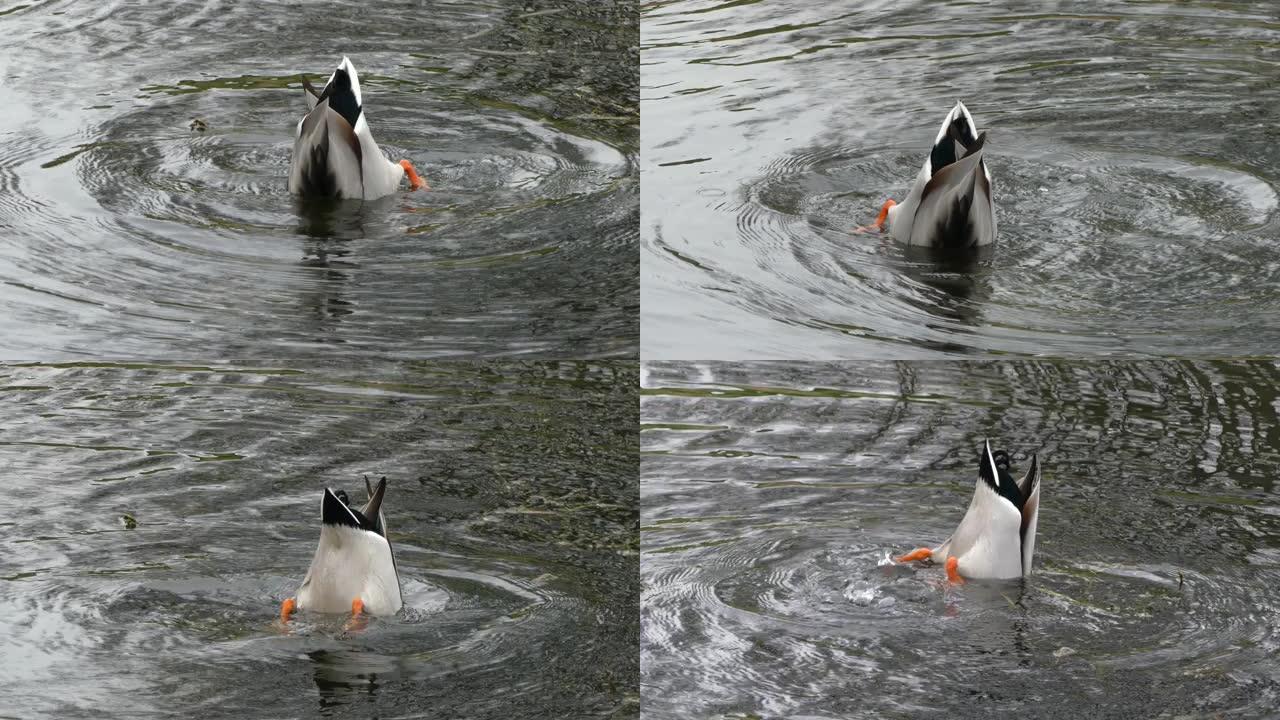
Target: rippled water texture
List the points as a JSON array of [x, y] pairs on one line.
[[130, 230], [511, 504], [1133, 146], [772, 496]]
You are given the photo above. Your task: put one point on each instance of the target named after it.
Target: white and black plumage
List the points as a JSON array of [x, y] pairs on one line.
[[996, 539], [950, 206], [353, 569], [334, 154]]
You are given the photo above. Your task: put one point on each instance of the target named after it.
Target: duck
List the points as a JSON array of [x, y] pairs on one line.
[[950, 206], [334, 154], [996, 538], [353, 569]]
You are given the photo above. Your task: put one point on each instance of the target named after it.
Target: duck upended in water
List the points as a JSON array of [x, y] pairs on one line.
[[353, 569], [997, 536], [950, 205], [334, 154]]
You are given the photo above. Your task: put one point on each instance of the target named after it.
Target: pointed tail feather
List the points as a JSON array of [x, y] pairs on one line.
[[312, 95], [373, 508], [1030, 514]]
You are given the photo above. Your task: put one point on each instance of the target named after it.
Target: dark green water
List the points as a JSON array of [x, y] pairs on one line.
[[512, 506], [772, 495], [126, 233]]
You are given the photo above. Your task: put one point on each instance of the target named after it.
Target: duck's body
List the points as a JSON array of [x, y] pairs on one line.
[[996, 539], [950, 205], [353, 569], [334, 154]]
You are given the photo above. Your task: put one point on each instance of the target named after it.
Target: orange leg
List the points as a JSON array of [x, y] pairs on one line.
[[917, 554], [287, 608], [358, 620], [953, 573], [878, 225], [923, 553], [415, 180]]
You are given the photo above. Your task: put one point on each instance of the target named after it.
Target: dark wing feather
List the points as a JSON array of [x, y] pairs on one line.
[[953, 226], [348, 134], [976, 145], [317, 179], [373, 508], [1027, 488], [382, 528]]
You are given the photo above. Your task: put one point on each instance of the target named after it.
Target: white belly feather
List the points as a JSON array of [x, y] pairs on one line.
[[351, 563]]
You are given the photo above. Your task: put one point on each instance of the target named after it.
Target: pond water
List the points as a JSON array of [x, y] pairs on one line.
[[144, 154], [1133, 147], [511, 506], [772, 496]]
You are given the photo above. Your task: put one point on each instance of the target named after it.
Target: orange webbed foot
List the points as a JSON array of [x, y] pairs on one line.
[[917, 554], [415, 180], [953, 572], [878, 225], [288, 608]]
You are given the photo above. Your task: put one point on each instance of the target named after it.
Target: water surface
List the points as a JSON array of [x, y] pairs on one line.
[[1133, 147], [772, 496], [144, 153], [156, 516]]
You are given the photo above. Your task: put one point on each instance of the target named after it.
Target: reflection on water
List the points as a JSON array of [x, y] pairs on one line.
[[1133, 163], [511, 503], [343, 676], [774, 494], [144, 172]]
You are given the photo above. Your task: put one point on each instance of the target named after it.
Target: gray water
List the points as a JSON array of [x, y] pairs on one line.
[[1133, 147], [129, 230], [773, 494], [511, 505]]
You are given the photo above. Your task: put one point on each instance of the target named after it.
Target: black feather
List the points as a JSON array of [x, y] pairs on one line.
[[317, 179], [997, 476], [944, 152], [334, 511], [942, 155], [342, 98], [954, 227]]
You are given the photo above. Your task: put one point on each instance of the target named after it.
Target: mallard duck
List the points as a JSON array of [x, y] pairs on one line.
[[950, 205], [353, 568], [334, 154], [996, 538]]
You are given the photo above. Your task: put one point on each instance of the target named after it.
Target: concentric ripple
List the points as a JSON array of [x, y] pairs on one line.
[[148, 195], [1135, 183], [168, 511], [775, 495], [1070, 226]]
